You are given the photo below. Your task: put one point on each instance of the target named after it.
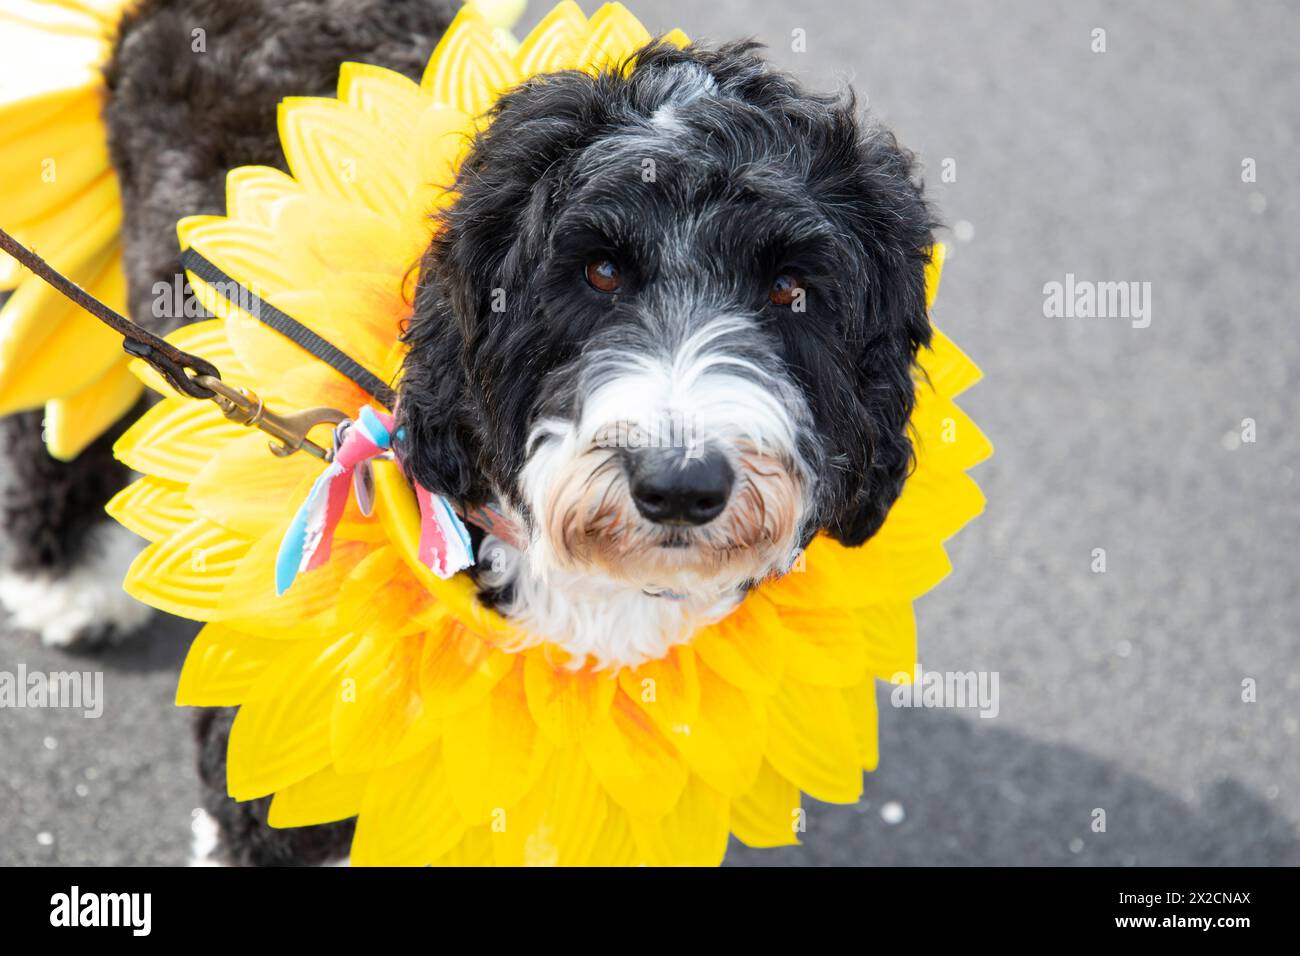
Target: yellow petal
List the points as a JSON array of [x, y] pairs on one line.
[[153, 508], [943, 436], [823, 577], [889, 631], [811, 742], [748, 647], [933, 272], [222, 666], [248, 489], [253, 255], [74, 421], [207, 340], [555, 43], [324, 797], [176, 438], [933, 507], [186, 573], [859, 577], [565, 703], [615, 845], [92, 218], [473, 849], [768, 814], [692, 833], [493, 751], [667, 689], [561, 820], [861, 703], [615, 36], [359, 313], [459, 669], [251, 598], [636, 763], [378, 716], [724, 745], [281, 735], [503, 14], [468, 69], [46, 166], [75, 355], [253, 191], [384, 96], [22, 110], [677, 38], [37, 312], [337, 151], [407, 815], [398, 513], [826, 647], [947, 367]]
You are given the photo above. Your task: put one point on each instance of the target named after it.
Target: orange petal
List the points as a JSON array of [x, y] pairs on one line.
[[459, 668], [826, 647], [565, 703], [667, 689], [748, 647], [637, 764], [378, 716]]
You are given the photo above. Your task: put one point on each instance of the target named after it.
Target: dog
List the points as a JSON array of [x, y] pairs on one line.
[[669, 326]]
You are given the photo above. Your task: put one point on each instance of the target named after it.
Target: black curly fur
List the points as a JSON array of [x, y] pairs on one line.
[[475, 381], [179, 120], [50, 508]]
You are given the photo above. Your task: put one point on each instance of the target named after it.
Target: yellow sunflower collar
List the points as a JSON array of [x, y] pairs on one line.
[[375, 689]]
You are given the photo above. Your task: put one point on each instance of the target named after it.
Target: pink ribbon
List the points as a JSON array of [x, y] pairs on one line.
[[445, 545]]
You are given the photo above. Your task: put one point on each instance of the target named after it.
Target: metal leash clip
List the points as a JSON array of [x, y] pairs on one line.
[[242, 406]]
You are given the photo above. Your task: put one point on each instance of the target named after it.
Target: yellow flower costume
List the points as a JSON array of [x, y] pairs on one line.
[[372, 687], [59, 196]]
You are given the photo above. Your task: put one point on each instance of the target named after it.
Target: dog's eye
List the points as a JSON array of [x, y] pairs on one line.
[[785, 288], [603, 275]]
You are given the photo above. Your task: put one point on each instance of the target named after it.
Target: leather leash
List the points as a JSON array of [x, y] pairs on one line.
[[193, 375]]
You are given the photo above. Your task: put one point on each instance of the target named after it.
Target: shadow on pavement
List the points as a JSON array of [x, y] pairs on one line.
[[972, 794]]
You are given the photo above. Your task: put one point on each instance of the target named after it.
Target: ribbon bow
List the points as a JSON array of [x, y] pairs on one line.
[[444, 541]]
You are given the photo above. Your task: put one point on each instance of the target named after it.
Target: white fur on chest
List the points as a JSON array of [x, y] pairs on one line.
[[592, 617]]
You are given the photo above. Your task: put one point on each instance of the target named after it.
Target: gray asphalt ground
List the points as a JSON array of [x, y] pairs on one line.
[[1119, 691]]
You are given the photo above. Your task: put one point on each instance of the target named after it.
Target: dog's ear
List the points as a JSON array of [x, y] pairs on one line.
[[893, 227], [434, 417], [465, 384]]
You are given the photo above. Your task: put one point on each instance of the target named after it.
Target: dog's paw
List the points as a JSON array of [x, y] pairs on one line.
[[207, 839], [83, 607]]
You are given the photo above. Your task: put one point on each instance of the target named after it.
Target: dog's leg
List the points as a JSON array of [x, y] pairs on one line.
[[229, 833], [63, 560]]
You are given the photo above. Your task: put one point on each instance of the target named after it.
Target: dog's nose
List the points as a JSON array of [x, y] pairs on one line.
[[677, 489]]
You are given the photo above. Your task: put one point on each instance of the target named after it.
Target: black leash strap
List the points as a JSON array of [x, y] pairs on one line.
[[238, 294], [169, 361]]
